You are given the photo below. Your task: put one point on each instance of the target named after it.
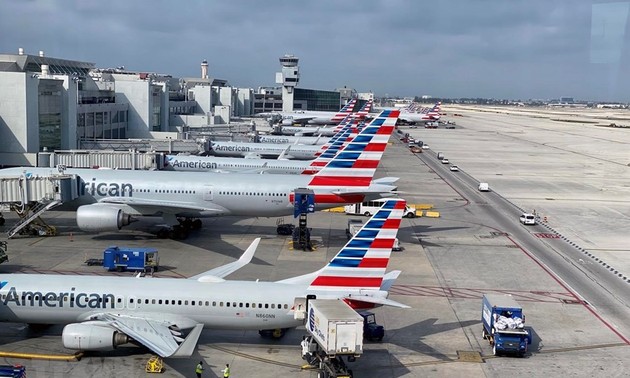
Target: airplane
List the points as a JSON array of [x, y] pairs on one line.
[[410, 116], [274, 150], [111, 199], [229, 164], [100, 313], [313, 117], [319, 131], [263, 150]]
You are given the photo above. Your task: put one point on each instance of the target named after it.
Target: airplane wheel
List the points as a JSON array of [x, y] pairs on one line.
[[2, 221], [163, 233], [179, 233], [186, 223], [196, 224], [410, 215], [367, 214]]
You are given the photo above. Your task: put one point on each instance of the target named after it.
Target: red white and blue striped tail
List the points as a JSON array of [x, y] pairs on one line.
[[361, 263], [366, 109], [336, 143], [355, 165], [345, 111]]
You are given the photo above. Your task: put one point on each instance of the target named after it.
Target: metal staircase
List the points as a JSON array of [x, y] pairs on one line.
[[32, 214]]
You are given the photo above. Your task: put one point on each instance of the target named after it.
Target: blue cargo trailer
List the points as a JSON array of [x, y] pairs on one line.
[[131, 258], [13, 371], [503, 325]]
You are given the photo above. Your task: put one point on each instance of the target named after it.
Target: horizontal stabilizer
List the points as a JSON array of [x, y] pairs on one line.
[[388, 280], [376, 300], [386, 180]]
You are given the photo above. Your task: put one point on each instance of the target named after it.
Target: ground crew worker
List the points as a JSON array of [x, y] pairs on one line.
[[226, 371], [199, 369]]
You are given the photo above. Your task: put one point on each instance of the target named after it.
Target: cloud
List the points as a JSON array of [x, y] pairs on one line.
[[490, 48]]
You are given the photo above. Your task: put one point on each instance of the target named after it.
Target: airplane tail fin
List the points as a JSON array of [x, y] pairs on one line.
[[345, 111], [366, 109], [361, 263], [356, 164]]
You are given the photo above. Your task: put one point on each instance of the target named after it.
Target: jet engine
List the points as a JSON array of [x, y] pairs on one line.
[[101, 218], [96, 336]]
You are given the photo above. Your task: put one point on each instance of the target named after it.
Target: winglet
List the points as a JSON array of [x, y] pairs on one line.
[[187, 348], [226, 269]]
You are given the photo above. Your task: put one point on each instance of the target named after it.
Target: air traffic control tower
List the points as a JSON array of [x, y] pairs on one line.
[[289, 78]]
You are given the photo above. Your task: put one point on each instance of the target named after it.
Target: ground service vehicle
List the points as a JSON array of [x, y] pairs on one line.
[[445, 161], [527, 219], [13, 371], [440, 156], [335, 331], [454, 168], [484, 187], [369, 208], [128, 258], [371, 330], [503, 325]]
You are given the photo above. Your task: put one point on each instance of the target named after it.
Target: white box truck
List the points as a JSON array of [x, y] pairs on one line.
[[336, 327], [335, 332]]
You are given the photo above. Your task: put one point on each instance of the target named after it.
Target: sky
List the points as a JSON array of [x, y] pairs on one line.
[[516, 49]]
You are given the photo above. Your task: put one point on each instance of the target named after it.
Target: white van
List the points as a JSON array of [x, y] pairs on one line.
[[370, 208], [484, 187]]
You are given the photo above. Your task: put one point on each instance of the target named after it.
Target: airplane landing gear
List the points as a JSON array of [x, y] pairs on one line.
[[181, 230]]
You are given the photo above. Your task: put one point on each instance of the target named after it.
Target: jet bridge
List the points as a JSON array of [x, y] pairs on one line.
[[30, 196]]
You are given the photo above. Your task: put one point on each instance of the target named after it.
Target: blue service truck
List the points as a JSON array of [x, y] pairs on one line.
[[131, 258], [12, 371], [503, 325]]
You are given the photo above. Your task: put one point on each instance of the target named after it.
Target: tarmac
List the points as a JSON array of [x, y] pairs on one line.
[[575, 174]]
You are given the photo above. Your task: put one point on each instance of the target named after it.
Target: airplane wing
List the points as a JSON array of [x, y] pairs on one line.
[[156, 206], [227, 269], [156, 336]]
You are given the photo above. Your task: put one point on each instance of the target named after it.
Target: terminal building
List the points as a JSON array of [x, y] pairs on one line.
[[51, 104]]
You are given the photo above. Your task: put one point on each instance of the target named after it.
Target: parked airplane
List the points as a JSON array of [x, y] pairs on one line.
[[102, 313], [266, 150], [229, 165], [424, 116], [320, 131], [110, 198], [313, 117]]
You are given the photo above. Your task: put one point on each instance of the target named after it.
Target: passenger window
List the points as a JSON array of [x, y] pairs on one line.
[[227, 304]]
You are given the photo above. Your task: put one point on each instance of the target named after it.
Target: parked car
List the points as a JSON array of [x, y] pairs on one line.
[[445, 161], [454, 168], [528, 219]]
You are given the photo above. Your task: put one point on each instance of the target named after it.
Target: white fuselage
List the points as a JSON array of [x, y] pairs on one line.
[[291, 139], [57, 299], [208, 194], [236, 149], [227, 164]]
